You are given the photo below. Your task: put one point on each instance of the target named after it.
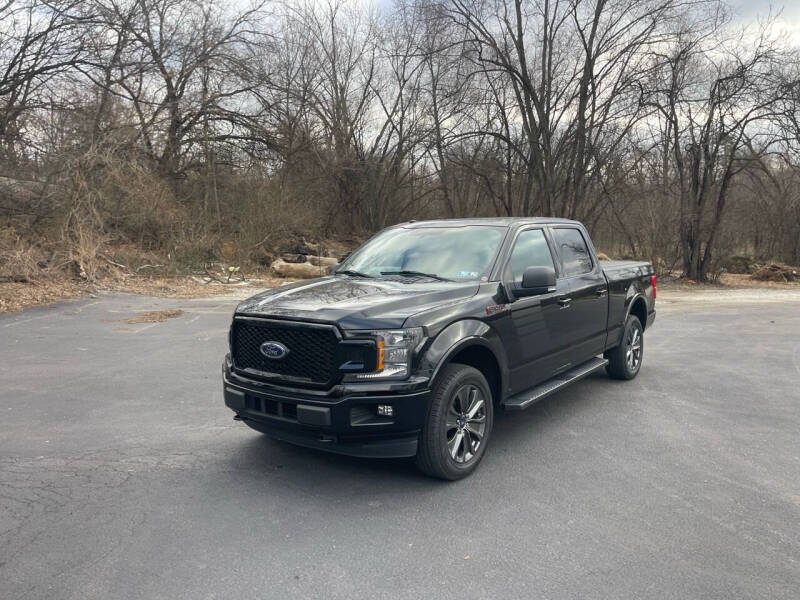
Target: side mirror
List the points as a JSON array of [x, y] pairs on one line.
[[536, 281], [333, 268]]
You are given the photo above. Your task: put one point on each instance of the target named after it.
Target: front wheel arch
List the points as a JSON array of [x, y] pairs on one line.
[[478, 354], [471, 342], [474, 351]]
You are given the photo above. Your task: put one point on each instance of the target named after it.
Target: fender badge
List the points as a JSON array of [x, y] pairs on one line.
[[493, 310]]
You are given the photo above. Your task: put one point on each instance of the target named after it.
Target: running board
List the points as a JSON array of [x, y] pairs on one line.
[[531, 396]]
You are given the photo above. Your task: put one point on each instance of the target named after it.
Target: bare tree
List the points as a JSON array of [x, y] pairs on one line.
[[715, 96], [180, 124], [183, 67], [38, 42], [572, 68]]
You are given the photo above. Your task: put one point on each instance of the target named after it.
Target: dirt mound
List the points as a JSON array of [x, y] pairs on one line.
[[740, 265], [776, 272]]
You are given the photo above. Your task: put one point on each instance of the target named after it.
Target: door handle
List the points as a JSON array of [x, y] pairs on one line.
[[601, 292], [564, 302]]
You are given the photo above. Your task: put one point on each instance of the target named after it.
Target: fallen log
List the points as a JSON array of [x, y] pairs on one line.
[[281, 268], [322, 261]]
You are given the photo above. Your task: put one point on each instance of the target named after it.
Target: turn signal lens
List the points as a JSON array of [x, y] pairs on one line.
[[381, 355]]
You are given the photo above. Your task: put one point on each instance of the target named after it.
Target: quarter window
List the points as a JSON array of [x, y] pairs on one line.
[[530, 250], [572, 249]]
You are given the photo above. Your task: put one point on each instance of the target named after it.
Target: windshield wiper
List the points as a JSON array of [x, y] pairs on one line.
[[416, 274], [354, 273]]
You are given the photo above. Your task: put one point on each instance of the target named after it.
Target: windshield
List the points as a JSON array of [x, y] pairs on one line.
[[458, 253]]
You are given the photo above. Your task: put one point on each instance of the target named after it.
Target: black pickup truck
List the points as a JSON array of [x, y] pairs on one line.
[[415, 340]]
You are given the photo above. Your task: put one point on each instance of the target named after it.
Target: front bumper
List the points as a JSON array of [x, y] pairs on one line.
[[344, 421]]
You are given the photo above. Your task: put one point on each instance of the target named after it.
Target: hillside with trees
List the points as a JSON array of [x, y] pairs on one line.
[[165, 135]]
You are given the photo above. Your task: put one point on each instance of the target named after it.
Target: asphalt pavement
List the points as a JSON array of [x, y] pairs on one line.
[[123, 475]]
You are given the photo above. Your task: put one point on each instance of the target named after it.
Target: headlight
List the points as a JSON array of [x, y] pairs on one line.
[[395, 348]]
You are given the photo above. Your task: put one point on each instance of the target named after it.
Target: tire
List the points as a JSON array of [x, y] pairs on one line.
[[447, 444], [625, 360]]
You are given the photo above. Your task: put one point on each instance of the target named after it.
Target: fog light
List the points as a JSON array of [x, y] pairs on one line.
[[385, 410]]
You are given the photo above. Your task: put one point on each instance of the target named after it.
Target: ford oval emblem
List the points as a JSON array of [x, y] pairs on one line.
[[274, 350]]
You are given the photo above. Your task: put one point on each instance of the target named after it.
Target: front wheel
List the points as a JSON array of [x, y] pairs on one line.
[[625, 360], [460, 418]]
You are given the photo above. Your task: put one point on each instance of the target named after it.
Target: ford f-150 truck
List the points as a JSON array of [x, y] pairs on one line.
[[418, 338]]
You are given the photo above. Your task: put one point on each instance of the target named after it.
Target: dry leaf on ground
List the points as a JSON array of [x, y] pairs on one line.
[[155, 316]]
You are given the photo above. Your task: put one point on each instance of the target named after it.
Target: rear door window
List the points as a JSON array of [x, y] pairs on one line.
[[574, 253]]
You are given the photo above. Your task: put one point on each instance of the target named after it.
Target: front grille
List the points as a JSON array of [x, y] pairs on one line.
[[312, 357]]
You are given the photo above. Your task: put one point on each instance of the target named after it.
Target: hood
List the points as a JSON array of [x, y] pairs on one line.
[[356, 303]]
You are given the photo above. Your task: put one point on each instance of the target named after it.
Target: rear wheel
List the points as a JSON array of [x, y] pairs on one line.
[[459, 424], [625, 360]]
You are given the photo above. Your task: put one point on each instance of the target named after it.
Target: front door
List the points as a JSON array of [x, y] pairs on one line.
[[533, 333]]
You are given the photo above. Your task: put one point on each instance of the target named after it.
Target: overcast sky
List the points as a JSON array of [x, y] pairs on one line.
[[749, 8], [746, 10]]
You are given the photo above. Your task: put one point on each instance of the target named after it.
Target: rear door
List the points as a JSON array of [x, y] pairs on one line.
[[588, 291], [533, 334]]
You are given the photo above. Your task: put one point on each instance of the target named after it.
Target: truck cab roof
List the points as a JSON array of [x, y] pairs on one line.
[[488, 221]]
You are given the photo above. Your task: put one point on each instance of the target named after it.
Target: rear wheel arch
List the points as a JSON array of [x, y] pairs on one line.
[[638, 308]]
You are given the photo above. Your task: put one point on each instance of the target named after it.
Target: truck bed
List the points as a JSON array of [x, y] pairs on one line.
[[616, 270]]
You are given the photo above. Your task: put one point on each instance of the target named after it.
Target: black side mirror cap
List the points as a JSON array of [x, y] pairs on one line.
[[537, 280]]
